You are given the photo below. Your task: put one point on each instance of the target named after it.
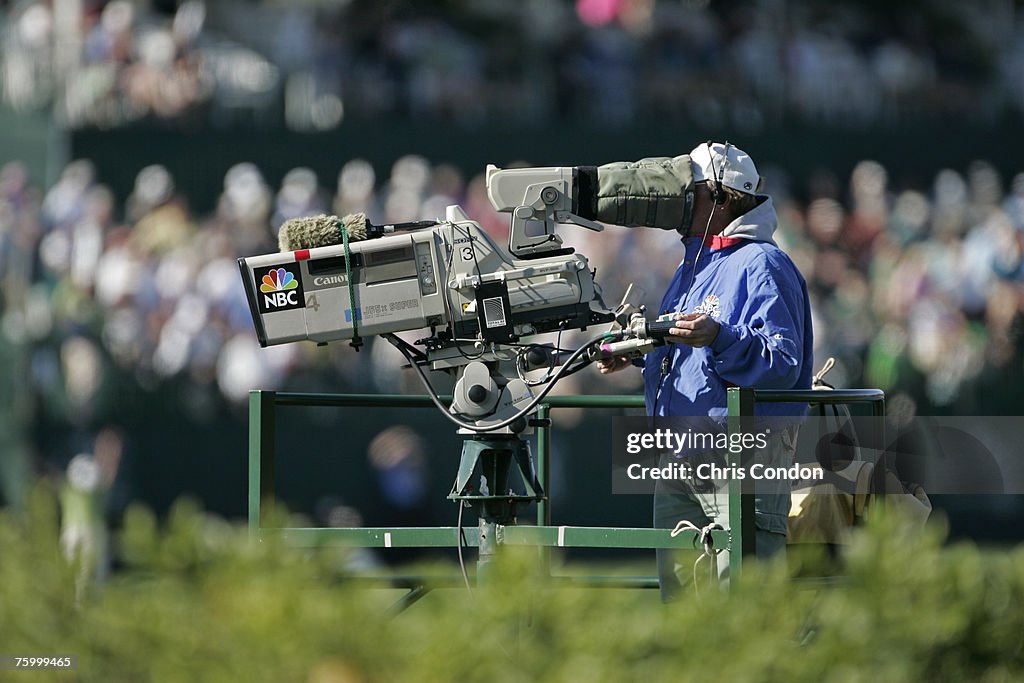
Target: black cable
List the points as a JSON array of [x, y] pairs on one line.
[[551, 363], [579, 366], [463, 543], [506, 422]]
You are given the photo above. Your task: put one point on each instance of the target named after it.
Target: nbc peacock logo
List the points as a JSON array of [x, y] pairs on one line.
[[280, 290], [278, 280]]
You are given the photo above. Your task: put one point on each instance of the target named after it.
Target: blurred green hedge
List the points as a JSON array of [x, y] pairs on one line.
[[200, 602]]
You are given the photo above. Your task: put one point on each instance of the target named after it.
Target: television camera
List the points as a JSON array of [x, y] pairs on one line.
[[478, 304]]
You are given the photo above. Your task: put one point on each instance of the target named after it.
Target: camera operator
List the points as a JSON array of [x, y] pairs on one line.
[[742, 319]]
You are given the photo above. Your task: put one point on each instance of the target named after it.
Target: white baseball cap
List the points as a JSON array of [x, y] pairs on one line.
[[725, 162]]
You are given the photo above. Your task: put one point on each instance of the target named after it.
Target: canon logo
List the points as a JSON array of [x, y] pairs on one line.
[[325, 280]]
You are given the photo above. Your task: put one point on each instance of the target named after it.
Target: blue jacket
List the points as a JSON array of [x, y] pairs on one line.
[[748, 284]]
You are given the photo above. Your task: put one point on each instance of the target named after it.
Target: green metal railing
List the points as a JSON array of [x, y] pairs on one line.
[[740, 537]]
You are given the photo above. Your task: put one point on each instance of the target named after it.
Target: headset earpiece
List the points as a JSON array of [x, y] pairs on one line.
[[716, 186], [717, 194]]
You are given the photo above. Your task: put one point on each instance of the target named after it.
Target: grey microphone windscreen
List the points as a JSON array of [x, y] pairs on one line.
[[311, 232]]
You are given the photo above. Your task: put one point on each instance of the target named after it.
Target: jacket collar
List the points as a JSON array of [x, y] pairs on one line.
[[716, 242]]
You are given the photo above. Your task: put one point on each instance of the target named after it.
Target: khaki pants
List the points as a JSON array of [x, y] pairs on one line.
[[704, 502]]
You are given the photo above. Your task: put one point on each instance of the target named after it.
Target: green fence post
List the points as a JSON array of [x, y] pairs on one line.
[[544, 477], [544, 464], [741, 491], [881, 464], [262, 428]]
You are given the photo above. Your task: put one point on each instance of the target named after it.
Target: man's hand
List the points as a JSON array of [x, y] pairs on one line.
[[694, 329], [607, 366]]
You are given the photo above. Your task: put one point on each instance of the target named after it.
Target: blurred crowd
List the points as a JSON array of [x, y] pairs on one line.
[[109, 63], [916, 292], [606, 62]]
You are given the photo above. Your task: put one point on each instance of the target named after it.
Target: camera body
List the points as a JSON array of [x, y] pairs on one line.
[[450, 276]]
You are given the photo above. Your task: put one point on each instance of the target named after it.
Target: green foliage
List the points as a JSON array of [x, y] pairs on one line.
[[200, 601]]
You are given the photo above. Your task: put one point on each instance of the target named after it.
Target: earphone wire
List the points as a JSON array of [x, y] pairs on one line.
[[717, 196]]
